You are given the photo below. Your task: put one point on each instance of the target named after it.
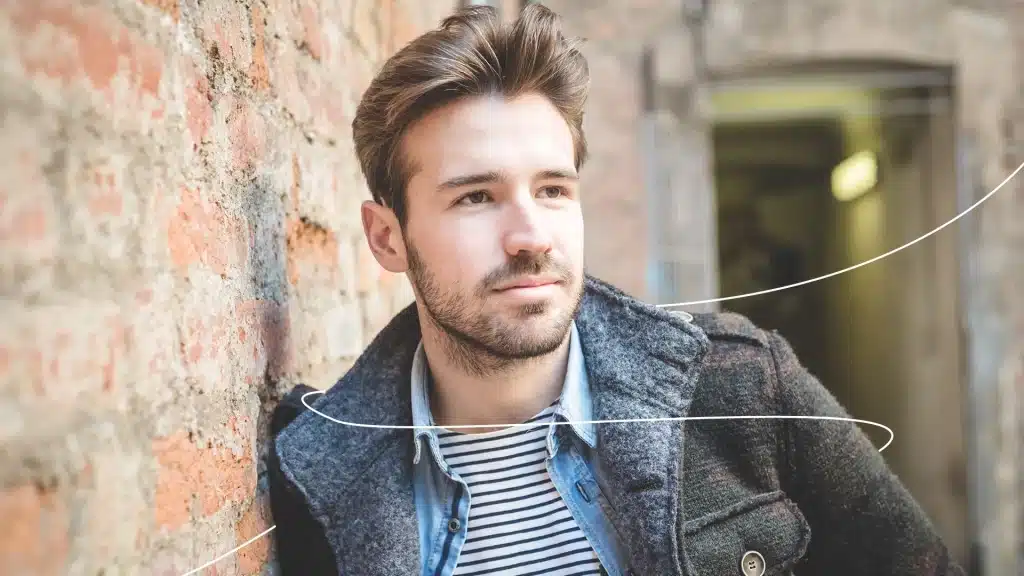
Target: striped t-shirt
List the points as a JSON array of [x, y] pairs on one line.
[[518, 523]]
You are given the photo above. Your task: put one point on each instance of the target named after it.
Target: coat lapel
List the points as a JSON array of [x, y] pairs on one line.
[[642, 362], [358, 481]]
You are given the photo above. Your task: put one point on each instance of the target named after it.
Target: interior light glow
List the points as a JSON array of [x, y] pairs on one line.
[[855, 176]]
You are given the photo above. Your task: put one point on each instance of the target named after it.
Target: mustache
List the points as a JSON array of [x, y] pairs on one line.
[[527, 264]]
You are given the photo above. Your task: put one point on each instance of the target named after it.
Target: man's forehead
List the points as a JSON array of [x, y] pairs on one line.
[[481, 133]]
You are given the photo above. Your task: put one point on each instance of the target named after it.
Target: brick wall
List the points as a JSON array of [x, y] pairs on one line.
[[179, 243]]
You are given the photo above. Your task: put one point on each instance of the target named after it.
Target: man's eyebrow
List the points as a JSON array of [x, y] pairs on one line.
[[558, 174], [471, 179], [497, 176]]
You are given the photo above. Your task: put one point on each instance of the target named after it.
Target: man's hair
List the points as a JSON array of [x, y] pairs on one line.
[[473, 53]]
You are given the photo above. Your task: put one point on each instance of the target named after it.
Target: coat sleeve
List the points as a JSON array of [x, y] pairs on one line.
[[863, 520], [302, 547]]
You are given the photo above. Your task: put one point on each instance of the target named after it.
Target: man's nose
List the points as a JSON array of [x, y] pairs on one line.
[[525, 228]]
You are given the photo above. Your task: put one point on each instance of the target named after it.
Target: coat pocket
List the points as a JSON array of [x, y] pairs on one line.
[[765, 535]]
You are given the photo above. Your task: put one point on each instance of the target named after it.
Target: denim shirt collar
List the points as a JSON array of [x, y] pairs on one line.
[[574, 404]]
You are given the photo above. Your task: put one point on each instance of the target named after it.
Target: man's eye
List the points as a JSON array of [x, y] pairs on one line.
[[477, 197], [552, 192]]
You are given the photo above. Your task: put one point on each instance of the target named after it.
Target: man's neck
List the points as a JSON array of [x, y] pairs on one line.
[[510, 395]]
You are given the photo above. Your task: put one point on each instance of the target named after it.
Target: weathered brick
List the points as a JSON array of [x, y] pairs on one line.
[[247, 135], [366, 29], [195, 480], [254, 521], [198, 109], [73, 44], [268, 327], [34, 533], [224, 26], [312, 251], [203, 233], [402, 25], [63, 351], [312, 39], [258, 71], [170, 7], [28, 217]]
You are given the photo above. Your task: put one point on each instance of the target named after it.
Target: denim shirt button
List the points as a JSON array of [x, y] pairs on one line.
[[583, 491], [454, 525]]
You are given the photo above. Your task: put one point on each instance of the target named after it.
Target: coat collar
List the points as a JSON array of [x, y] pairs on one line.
[[642, 363]]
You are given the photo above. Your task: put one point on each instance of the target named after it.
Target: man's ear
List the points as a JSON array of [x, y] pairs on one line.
[[384, 236]]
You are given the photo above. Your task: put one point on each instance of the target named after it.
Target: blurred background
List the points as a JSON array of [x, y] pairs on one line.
[[180, 240]]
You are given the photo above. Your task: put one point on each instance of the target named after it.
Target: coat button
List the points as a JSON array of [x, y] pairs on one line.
[[454, 525], [752, 564]]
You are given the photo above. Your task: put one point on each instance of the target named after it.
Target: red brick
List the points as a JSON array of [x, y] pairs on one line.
[[198, 481], [365, 28], [296, 185], [103, 191], [247, 135], [213, 356], [34, 531], [203, 233], [28, 224], [198, 110], [402, 29], [62, 351], [286, 68], [27, 227], [258, 70], [313, 37], [5, 361], [91, 45], [255, 520], [327, 104], [312, 251], [271, 347], [168, 6], [225, 26]]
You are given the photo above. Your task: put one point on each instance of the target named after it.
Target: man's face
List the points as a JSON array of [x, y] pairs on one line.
[[494, 239]]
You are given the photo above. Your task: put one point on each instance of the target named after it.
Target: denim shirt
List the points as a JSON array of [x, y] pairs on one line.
[[442, 496]]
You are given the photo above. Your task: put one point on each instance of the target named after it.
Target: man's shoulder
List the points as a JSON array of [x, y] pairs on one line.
[[739, 372], [732, 327]]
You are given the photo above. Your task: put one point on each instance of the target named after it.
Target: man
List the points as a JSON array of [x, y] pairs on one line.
[[470, 139]]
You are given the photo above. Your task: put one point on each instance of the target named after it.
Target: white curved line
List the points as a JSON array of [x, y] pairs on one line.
[[855, 266], [235, 549], [892, 435]]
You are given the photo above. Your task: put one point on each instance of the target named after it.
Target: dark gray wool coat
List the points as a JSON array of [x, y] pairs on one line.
[[687, 497]]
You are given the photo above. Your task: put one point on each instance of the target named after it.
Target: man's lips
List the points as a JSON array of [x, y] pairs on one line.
[[527, 283]]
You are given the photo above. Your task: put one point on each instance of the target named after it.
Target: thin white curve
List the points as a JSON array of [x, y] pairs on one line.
[[232, 551], [892, 435], [855, 266]]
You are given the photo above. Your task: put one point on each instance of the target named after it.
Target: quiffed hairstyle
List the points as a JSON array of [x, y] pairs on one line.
[[473, 53]]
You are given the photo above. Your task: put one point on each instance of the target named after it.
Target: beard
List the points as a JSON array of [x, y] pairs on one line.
[[484, 344]]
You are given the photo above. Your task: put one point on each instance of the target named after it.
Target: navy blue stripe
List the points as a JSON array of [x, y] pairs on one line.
[[476, 517], [520, 542], [516, 498], [530, 551], [524, 530]]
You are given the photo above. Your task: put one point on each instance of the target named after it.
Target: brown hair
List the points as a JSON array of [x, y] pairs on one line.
[[473, 53]]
